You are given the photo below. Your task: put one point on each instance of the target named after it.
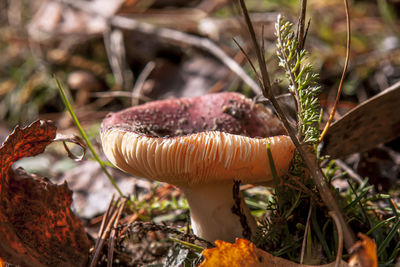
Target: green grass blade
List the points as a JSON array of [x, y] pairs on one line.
[[364, 192], [389, 237], [84, 136], [191, 246], [380, 224], [318, 233]]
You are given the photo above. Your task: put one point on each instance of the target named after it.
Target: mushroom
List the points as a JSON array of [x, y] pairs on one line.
[[201, 145]]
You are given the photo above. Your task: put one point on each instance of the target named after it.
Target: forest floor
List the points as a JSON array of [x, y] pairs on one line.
[[107, 64]]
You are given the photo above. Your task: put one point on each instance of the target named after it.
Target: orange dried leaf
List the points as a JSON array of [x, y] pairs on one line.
[[364, 253], [245, 254], [37, 226], [26, 142]]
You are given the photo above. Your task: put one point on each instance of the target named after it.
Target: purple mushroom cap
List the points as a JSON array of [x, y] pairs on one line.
[[225, 112]]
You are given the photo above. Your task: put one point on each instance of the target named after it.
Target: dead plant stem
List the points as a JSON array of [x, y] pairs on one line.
[[346, 64], [266, 85], [302, 21], [140, 81], [111, 240], [102, 239]]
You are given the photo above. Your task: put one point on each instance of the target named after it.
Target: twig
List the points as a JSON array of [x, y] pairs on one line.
[[115, 49], [120, 94], [306, 153], [301, 36], [266, 84], [114, 218], [249, 60], [346, 63], [340, 238], [111, 240], [356, 177], [141, 79], [109, 210], [169, 34], [102, 238]]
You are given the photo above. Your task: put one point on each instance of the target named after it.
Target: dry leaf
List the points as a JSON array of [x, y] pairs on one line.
[[241, 254], [245, 254], [37, 226], [364, 253], [371, 123], [72, 139]]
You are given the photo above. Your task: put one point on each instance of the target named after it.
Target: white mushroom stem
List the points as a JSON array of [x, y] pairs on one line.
[[211, 212]]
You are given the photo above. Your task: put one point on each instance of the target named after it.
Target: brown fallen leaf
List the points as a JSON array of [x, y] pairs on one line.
[[373, 122], [364, 253], [37, 226], [245, 254]]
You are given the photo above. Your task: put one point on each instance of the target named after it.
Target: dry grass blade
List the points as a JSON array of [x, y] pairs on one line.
[[116, 53], [249, 60], [110, 219], [111, 240], [104, 223], [266, 84], [113, 94], [109, 210], [355, 176], [346, 63], [141, 79]]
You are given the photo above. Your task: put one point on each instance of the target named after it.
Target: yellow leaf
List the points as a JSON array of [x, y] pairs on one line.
[[245, 254], [241, 254]]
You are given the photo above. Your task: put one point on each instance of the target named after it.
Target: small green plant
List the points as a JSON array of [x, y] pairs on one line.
[[303, 81], [159, 210]]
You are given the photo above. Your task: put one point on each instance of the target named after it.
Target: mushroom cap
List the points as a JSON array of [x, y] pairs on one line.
[[212, 138]]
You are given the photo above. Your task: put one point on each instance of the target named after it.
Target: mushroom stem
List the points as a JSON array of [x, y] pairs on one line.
[[211, 212]]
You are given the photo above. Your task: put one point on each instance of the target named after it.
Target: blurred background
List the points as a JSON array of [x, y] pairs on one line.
[[108, 63]]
